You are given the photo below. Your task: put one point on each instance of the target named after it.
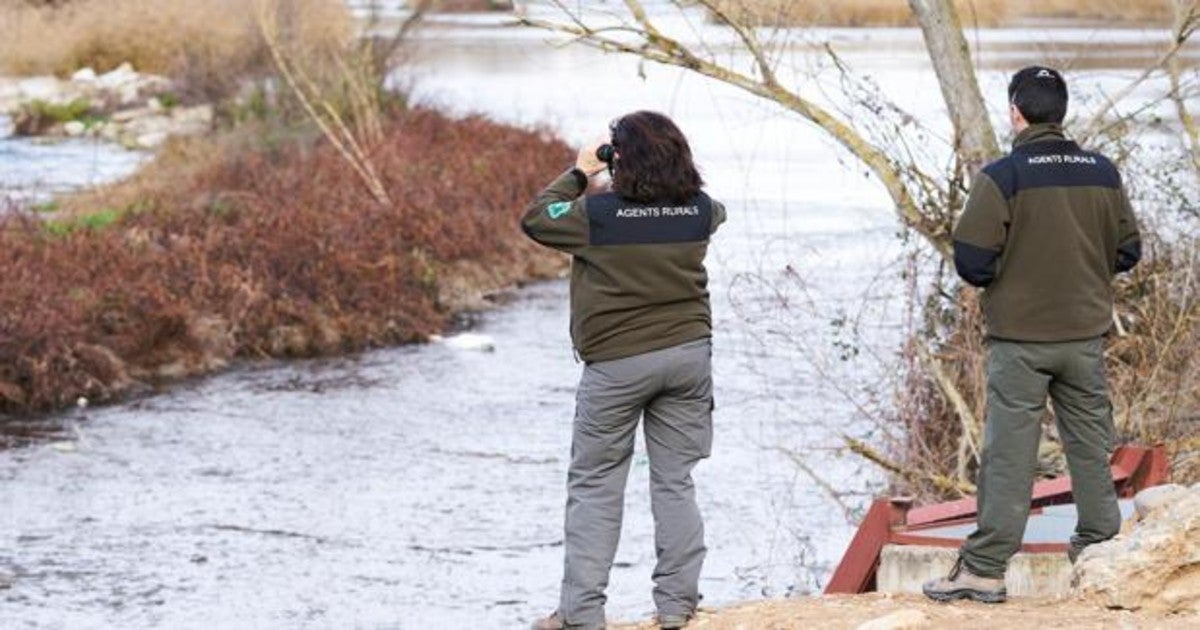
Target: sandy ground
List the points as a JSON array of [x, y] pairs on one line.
[[834, 612]]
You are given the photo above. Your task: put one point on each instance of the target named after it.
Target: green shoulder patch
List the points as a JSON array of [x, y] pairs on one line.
[[558, 209]]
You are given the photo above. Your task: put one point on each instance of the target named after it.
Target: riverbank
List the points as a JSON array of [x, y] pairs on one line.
[[229, 248]]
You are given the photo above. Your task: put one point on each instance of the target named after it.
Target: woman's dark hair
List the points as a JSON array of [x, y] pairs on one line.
[[655, 161]]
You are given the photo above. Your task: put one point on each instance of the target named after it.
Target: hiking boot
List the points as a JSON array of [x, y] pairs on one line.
[[551, 622], [962, 584], [555, 622], [673, 622]]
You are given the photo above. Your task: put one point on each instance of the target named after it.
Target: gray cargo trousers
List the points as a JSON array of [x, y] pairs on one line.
[[672, 388], [1020, 375]]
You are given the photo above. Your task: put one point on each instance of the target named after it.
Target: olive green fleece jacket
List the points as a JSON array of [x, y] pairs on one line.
[[638, 281], [1044, 230]]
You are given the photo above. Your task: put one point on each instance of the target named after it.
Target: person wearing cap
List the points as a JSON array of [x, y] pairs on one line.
[[642, 323], [1044, 230]]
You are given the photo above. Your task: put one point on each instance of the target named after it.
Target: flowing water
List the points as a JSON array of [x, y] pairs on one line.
[[422, 487], [32, 171]]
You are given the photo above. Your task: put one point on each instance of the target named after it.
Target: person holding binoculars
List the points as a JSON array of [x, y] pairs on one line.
[[642, 324]]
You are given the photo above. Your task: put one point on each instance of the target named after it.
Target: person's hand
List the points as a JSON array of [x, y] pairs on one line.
[[587, 161]]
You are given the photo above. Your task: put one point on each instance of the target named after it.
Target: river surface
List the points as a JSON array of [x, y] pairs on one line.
[[423, 487], [34, 170]]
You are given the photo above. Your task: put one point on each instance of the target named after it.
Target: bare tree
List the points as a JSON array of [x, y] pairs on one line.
[[350, 113], [975, 139], [945, 362]]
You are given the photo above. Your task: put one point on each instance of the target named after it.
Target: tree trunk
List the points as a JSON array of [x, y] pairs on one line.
[[974, 137]]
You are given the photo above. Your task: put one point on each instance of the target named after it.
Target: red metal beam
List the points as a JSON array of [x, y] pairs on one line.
[[1152, 470], [856, 572], [915, 538], [1125, 462]]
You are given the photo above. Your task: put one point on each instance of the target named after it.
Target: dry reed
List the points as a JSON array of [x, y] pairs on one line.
[[210, 45], [980, 12]]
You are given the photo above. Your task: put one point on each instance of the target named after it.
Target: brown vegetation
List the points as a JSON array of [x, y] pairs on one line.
[[981, 12], [275, 252], [209, 45]]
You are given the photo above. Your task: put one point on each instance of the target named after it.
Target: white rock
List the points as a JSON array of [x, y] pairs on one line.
[[121, 76], [41, 89], [10, 95], [467, 341], [84, 75], [154, 104], [908, 619], [64, 447], [129, 93], [1155, 567], [151, 140], [109, 132], [129, 115], [192, 120], [1155, 497], [74, 128]]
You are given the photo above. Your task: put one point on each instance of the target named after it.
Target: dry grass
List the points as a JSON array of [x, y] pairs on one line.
[[982, 12], [222, 252], [210, 45]]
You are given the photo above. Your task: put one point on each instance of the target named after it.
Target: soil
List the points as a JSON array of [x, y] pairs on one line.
[[849, 611]]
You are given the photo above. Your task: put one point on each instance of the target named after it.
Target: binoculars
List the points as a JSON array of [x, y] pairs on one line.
[[605, 153]]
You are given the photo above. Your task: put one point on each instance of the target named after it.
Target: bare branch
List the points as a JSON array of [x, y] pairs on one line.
[[941, 482], [970, 424], [821, 482], [749, 39], [658, 47], [1188, 18], [327, 119]]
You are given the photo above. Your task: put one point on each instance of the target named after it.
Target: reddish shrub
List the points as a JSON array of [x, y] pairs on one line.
[[266, 254]]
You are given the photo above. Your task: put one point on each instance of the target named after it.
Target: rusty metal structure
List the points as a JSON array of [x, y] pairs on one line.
[[895, 521]]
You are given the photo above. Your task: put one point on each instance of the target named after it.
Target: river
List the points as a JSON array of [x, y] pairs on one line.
[[33, 170], [423, 487]]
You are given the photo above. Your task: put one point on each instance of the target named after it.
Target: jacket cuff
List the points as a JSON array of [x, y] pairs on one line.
[[581, 179]]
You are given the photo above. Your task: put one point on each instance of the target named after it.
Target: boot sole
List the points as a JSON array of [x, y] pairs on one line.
[[983, 597]]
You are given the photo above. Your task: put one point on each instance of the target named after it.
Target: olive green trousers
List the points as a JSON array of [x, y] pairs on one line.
[[1020, 376]]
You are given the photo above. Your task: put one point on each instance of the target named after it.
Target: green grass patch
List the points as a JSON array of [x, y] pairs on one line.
[[95, 221], [169, 100], [60, 112]]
